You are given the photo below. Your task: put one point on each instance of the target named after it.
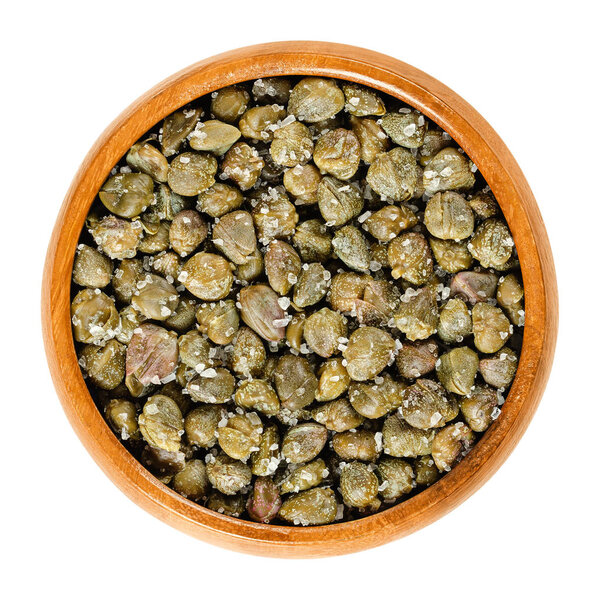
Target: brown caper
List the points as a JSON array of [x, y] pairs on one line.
[[274, 215], [499, 370], [323, 330], [416, 359], [492, 245], [374, 400], [257, 394], [448, 216], [214, 136], [389, 221], [449, 169], [357, 445], [201, 423], [313, 241], [243, 165], [219, 321], [339, 201], [219, 199], [282, 266], [474, 286]]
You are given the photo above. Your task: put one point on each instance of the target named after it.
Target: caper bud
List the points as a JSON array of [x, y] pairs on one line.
[[176, 127], [322, 331], [303, 442], [474, 286], [264, 501], [499, 370], [448, 216], [449, 169], [316, 506], [338, 153], [479, 408], [312, 285], [450, 255], [312, 241], [397, 478], [416, 359], [484, 205], [358, 484], [451, 444], [234, 236], [455, 321], [362, 101], [292, 144], [249, 355], [410, 258], [259, 122], [257, 394], [122, 417], [243, 165], [372, 138], [214, 136], [389, 221], [201, 423], [161, 423], [406, 128], [127, 194], [337, 415], [457, 370], [295, 382], [368, 353], [146, 158], [294, 333], [377, 399], [212, 386], [282, 266], [394, 174], [492, 245], [194, 350], [261, 311], [155, 297], [229, 103], [346, 289], [117, 238], [313, 99], [207, 276], [94, 316], [302, 182], [274, 215], [339, 201], [91, 268], [271, 89], [417, 315], [188, 230], [356, 445], [191, 173], [228, 475], [240, 435], [219, 199], [404, 440], [267, 458], [351, 247], [491, 328], [219, 321], [305, 477], [192, 481], [105, 365], [426, 405], [232, 506]]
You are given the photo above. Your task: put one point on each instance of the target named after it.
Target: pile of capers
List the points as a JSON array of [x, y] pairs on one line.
[[297, 301]]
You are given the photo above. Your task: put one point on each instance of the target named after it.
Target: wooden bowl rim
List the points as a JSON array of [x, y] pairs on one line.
[[508, 184]]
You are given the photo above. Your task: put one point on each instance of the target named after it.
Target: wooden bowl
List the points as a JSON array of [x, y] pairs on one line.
[[510, 188]]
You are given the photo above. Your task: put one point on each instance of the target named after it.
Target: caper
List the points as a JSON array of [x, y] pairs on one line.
[[410, 258], [176, 127], [394, 174], [127, 194], [305, 477], [227, 475], [303, 442], [316, 506], [295, 382], [457, 370], [499, 370], [212, 386], [312, 241], [122, 417], [478, 408], [358, 484], [406, 128], [491, 328], [426, 405], [314, 99], [249, 356], [214, 136], [397, 478], [338, 153], [91, 268], [201, 423], [448, 170], [404, 440], [219, 199], [416, 359], [105, 365], [161, 423], [94, 317], [337, 415], [191, 173], [207, 276], [451, 444]]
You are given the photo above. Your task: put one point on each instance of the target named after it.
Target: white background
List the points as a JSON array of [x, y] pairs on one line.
[[531, 69]]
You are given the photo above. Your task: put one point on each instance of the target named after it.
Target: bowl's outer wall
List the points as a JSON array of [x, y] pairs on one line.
[[509, 186]]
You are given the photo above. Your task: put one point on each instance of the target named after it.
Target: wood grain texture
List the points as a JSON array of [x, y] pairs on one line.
[[509, 186]]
